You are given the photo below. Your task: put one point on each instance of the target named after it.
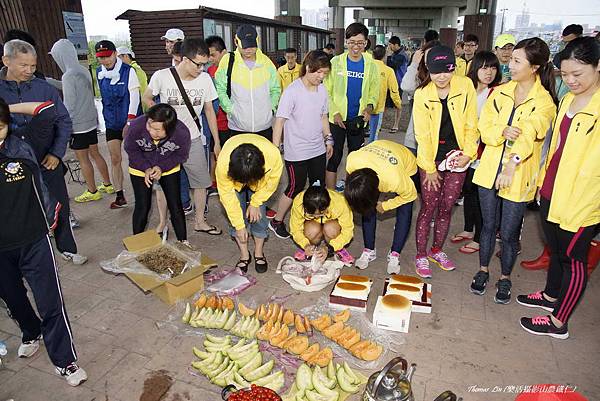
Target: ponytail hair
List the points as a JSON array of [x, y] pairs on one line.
[[538, 53]]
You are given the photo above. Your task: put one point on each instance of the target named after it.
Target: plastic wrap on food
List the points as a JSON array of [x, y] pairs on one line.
[[231, 282], [308, 276], [163, 261]]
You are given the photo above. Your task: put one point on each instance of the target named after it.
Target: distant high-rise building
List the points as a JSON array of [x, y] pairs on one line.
[[316, 18], [522, 21]]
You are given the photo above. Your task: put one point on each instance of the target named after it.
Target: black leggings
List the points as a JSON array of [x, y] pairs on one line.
[[298, 171], [472, 209], [355, 141], [143, 203]]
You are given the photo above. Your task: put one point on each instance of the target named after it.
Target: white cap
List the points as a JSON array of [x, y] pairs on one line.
[[125, 50], [173, 34]]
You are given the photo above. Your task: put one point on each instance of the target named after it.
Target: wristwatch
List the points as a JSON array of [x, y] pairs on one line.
[[516, 159]]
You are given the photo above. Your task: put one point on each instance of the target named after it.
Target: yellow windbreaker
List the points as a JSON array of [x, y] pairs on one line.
[[338, 210], [394, 165], [262, 190], [387, 80], [575, 201], [287, 76], [533, 117], [427, 117]]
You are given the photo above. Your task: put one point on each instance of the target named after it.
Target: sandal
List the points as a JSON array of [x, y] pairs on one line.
[[460, 238], [243, 264], [468, 249], [260, 264], [211, 230]]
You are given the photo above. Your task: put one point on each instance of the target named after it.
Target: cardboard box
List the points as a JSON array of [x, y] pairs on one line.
[[422, 306], [395, 321], [181, 287]]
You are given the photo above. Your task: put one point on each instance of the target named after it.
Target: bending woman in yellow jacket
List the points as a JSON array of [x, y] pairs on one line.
[[248, 171], [513, 124], [320, 214], [445, 117], [570, 191]]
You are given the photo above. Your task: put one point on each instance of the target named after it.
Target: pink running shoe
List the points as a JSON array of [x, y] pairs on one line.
[[442, 260], [300, 255], [344, 256], [423, 268]]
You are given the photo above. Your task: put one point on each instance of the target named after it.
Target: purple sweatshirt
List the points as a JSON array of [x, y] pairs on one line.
[[167, 154]]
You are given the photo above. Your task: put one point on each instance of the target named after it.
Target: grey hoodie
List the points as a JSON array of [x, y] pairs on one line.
[[76, 87]]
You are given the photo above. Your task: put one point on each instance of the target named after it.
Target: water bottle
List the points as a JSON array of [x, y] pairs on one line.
[[3, 350]]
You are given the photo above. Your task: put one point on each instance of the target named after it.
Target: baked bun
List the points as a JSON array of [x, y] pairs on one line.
[[403, 279], [396, 302], [354, 278], [351, 286]]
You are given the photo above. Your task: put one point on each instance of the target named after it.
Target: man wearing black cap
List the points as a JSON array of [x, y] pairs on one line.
[[249, 89], [119, 88]]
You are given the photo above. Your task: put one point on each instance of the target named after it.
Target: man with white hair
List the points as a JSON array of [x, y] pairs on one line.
[[17, 85]]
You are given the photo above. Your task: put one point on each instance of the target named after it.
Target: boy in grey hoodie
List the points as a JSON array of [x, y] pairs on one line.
[[78, 97]]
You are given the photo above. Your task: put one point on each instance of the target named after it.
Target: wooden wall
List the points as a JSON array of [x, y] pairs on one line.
[[43, 20]]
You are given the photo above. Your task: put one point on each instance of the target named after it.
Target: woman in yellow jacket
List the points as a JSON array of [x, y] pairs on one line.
[[248, 171], [570, 191], [382, 167], [513, 124], [445, 117], [320, 214]]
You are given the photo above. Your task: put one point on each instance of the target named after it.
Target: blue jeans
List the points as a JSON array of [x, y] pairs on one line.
[[509, 215], [401, 229], [184, 187], [258, 229], [374, 126]]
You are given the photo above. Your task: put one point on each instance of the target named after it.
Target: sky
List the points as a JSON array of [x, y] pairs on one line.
[[100, 14]]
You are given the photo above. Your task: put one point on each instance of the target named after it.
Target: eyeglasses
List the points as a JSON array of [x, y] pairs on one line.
[[360, 43], [198, 65]]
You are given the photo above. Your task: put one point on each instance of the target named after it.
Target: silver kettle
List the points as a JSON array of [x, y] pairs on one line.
[[391, 384]]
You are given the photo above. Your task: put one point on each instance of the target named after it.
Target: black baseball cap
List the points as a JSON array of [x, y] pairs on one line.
[[247, 35], [104, 48], [440, 59]]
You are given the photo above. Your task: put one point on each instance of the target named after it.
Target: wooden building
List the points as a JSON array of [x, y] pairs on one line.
[[147, 27], [45, 22]]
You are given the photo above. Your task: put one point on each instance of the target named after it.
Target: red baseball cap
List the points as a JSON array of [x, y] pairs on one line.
[[104, 48]]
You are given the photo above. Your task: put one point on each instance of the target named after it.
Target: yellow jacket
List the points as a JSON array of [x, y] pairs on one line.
[[387, 80], [427, 117], [533, 117], [576, 202], [462, 66], [287, 76], [394, 165], [338, 210], [262, 190]]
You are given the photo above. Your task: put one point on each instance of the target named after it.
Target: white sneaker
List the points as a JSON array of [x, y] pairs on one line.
[[76, 258], [393, 266], [73, 374], [367, 256], [29, 348]]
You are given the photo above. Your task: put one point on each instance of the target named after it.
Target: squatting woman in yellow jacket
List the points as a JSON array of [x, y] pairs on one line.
[[320, 214], [445, 116], [570, 191], [381, 167], [513, 124], [248, 171]]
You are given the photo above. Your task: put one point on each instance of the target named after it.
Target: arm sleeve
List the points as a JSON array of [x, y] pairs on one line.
[[132, 149], [297, 223], [425, 155], [63, 126], [471, 133], [270, 181], [373, 97], [346, 223], [409, 81], [533, 127], [69, 95], [183, 139], [221, 84], [134, 93], [227, 194], [274, 87], [333, 109], [489, 126], [392, 83], [406, 192], [286, 105], [155, 83]]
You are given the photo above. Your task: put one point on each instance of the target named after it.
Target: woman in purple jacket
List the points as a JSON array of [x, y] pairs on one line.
[[157, 144]]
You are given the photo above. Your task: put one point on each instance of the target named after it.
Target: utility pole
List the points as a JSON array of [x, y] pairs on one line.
[[502, 24]]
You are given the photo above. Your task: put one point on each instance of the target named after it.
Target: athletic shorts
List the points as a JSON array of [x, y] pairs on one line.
[[112, 134], [84, 140], [196, 166]]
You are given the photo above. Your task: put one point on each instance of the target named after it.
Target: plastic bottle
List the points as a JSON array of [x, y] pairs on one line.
[[3, 350]]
